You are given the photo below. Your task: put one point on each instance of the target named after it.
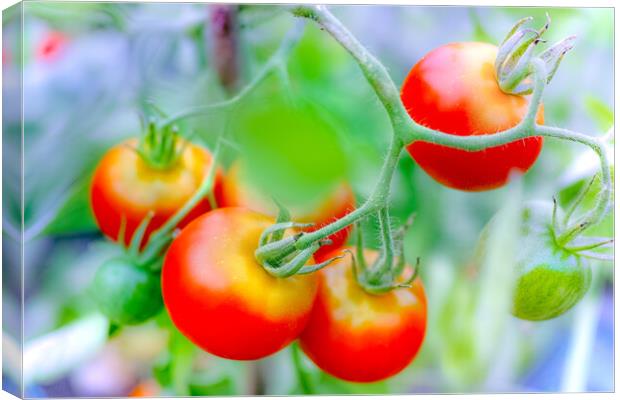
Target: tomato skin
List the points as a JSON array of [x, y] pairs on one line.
[[222, 299], [453, 89], [124, 185], [238, 193], [361, 337]]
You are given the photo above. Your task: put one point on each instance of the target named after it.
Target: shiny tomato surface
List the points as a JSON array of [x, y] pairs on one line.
[[454, 89], [125, 186], [362, 337], [238, 192], [222, 299]]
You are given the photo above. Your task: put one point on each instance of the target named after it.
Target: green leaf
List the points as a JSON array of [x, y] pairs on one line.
[[75, 215], [183, 352], [224, 386], [479, 34], [600, 112], [291, 149]]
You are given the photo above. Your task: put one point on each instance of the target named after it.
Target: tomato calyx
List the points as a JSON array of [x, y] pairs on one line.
[[567, 234], [159, 147], [512, 65], [385, 273], [280, 256]]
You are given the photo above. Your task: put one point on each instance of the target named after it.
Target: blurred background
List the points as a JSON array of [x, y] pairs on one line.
[[89, 67]]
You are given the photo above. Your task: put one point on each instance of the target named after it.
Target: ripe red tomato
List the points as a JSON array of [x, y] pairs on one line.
[[124, 185], [238, 192], [453, 89], [222, 299], [362, 337]]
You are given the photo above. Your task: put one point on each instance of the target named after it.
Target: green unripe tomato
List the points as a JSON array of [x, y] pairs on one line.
[[125, 292], [551, 280]]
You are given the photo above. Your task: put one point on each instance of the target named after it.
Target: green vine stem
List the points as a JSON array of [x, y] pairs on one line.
[[277, 61], [406, 130]]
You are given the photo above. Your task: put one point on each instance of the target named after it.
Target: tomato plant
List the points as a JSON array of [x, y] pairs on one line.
[[454, 89], [363, 337], [222, 299], [126, 187], [242, 276], [239, 192]]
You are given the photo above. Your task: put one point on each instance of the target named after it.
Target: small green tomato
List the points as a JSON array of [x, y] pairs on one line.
[[550, 279], [125, 292]]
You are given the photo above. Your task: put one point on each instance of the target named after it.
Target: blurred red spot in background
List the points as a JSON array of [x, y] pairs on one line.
[[51, 46]]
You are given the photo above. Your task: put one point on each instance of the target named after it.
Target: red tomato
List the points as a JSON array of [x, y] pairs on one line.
[[124, 185], [238, 192], [453, 89], [362, 337], [51, 46], [222, 299]]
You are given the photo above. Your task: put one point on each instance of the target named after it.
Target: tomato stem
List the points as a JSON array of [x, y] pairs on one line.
[[223, 30], [160, 237], [302, 376], [275, 63], [205, 187], [377, 200], [406, 130], [384, 263]]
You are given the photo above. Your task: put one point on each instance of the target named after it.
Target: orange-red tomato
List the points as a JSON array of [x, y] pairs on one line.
[[222, 299], [125, 186], [238, 192], [362, 337], [454, 89]]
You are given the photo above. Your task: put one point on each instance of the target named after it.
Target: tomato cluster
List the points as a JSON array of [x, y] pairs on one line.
[[227, 303], [215, 291]]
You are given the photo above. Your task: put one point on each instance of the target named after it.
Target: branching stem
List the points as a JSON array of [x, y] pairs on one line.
[[406, 130], [273, 64]]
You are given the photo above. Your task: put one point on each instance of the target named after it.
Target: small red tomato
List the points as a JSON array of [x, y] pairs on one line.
[[362, 337], [454, 89], [51, 46], [238, 192], [125, 186], [222, 299]]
